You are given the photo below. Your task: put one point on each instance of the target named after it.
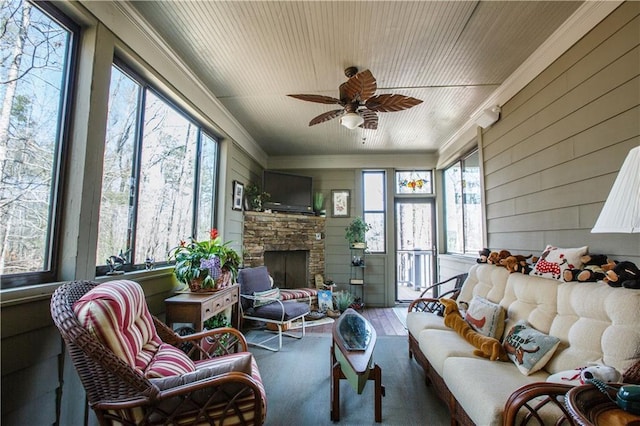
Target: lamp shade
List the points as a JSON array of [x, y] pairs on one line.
[[621, 211], [351, 120]]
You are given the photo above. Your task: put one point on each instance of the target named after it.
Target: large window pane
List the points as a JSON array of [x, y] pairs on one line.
[[165, 204], [117, 178], [463, 208], [472, 205], [34, 90], [207, 194], [159, 179], [374, 210]]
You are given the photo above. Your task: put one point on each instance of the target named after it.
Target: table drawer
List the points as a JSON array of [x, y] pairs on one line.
[[218, 303]]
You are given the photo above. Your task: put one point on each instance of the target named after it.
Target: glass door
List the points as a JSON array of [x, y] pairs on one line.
[[415, 246]]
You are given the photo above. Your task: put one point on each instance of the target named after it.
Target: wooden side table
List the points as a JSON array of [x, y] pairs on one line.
[[590, 407], [196, 308]]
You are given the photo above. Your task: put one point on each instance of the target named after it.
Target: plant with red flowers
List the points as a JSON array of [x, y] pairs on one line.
[[204, 262]]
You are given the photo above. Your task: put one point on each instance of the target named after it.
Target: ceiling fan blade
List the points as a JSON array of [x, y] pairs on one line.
[[388, 103], [370, 119], [317, 98], [326, 116], [359, 87]]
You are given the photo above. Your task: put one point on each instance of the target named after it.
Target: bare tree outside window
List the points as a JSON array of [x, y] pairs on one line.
[[33, 79]]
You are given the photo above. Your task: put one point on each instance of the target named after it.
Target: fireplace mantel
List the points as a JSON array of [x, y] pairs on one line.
[[283, 232]]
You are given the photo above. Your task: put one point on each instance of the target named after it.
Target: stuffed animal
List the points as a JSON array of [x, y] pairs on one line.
[[495, 257], [579, 376], [624, 274], [484, 255], [487, 347], [517, 263], [594, 268]]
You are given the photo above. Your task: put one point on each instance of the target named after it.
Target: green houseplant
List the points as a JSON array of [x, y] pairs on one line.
[[256, 196], [208, 265], [342, 300], [355, 232]]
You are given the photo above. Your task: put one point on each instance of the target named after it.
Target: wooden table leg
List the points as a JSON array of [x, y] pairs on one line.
[[379, 391], [335, 387]]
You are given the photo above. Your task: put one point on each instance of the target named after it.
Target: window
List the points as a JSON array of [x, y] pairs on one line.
[[35, 88], [374, 209], [463, 207], [414, 182], [159, 179]]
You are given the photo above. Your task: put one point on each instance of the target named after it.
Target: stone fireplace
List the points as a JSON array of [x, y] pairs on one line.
[[294, 254]]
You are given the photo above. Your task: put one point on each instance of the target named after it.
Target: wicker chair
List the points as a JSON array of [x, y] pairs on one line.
[[225, 388], [431, 304]]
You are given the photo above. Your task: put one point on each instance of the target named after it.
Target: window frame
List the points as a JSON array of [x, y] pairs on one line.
[[145, 86], [60, 155], [460, 163], [384, 207]]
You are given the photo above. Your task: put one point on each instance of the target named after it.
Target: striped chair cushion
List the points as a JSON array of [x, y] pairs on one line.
[[298, 293], [116, 313], [169, 361]]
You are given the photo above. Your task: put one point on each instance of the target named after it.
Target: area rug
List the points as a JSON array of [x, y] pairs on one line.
[[401, 313], [307, 323], [297, 384]]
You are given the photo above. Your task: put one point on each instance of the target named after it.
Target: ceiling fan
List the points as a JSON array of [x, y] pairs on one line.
[[359, 105]]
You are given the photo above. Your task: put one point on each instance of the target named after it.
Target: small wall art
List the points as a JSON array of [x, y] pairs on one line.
[[340, 202], [238, 195]]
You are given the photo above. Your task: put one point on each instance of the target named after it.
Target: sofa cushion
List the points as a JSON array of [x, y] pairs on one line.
[[531, 299], [554, 260], [596, 323], [281, 311], [528, 348], [265, 297], [418, 321], [439, 345], [482, 387], [488, 281], [487, 318]]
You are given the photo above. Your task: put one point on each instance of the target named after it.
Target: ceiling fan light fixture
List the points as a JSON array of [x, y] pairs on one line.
[[351, 120]]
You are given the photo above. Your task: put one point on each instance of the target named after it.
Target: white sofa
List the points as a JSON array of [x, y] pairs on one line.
[[594, 322]]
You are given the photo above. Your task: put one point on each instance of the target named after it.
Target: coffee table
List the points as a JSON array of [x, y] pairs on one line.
[[354, 340]]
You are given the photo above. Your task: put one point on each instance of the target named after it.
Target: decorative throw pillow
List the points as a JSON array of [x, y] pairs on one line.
[[265, 297], [485, 317], [554, 260], [528, 348]]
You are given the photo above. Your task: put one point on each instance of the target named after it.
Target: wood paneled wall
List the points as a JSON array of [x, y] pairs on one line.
[[552, 158]]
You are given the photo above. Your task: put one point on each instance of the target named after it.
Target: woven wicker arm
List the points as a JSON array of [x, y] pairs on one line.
[[120, 394], [205, 344], [427, 304], [524, 406], [632, 374]]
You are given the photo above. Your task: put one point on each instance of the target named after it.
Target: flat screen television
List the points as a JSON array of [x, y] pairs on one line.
[[289, 192]]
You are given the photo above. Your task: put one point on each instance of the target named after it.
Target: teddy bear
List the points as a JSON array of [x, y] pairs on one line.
[[624, 274], [517, 264], [484, 255], [496, 256], [594, 268], [486, 347]]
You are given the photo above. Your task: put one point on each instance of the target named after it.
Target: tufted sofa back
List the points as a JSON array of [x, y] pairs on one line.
[[594, 321]]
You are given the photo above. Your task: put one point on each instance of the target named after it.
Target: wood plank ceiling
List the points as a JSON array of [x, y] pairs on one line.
[[452, 55]]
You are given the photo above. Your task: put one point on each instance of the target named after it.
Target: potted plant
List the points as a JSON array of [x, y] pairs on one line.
[[342, 300], [205, 265], [355, 232], [318, 204], [256, 196]]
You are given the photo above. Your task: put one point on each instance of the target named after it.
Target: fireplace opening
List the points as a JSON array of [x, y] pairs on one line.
[[289, 268]]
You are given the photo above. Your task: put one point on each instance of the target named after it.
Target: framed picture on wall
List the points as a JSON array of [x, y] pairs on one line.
[[238, 195], [340, 202]]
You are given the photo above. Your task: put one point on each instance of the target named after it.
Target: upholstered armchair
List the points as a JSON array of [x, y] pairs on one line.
[[261, 302], [135, 372]]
